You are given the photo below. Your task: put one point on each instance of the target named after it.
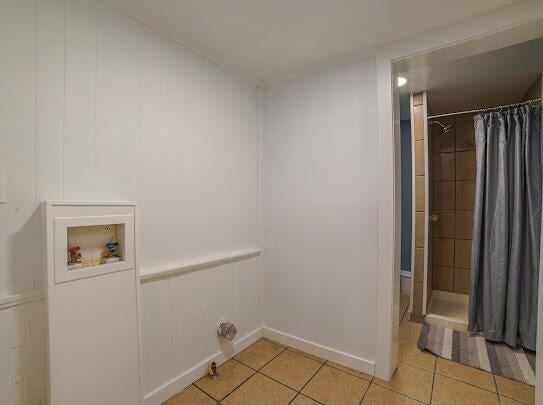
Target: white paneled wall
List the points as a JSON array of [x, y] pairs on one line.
[[320, 191], [22, 348], [95, 106], [177, 310]]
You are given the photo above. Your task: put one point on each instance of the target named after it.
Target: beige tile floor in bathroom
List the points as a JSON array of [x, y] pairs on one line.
[[268, 373]]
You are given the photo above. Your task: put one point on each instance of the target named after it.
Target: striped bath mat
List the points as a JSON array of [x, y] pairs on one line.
[[473, 350]]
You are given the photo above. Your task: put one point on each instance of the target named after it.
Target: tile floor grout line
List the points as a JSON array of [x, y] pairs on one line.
[[265, 364], [279, 382], [272, 359], [496, 386], [194, 383], [299, 394], [401, 393], [468, 383], [371, 382], [365, 393], [328, 363], [308, 381], [239, 385], [396, 392], [244, 381], [433, 381], [454, 378], [514, 399]]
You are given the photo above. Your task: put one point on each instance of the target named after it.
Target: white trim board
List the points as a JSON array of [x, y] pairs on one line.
[[178, 383], [199, 263], [183, 380], [21, 298], [327, 353], [167, 270]]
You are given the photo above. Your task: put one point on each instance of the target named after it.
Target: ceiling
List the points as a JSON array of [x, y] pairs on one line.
[[502, 76], [268, 41]]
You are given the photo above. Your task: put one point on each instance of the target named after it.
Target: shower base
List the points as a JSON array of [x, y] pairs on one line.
[[449, 310]]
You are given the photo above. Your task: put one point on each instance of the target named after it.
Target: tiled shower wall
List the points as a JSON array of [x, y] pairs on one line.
[[453, 179], [422, 205]]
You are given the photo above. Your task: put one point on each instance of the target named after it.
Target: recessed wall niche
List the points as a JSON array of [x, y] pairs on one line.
[[94, 245]]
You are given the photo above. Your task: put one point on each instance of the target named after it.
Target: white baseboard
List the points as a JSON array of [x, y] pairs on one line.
[[327, 353], [183, 380]]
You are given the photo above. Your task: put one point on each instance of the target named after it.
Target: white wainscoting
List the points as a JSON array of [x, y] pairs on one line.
[[179, 382], [182, 303], [181, 311]]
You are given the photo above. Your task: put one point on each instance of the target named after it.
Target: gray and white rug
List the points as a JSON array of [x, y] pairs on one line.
[[475, 351]]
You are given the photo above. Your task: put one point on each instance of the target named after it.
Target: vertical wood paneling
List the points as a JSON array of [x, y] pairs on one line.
[[115, 148], [17, 145], [50, 28], [80, 96], [157, 316], [50, 18], [151, 162], [95, 106]]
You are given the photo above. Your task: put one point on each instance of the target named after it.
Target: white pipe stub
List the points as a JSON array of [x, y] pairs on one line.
[[226, 329]]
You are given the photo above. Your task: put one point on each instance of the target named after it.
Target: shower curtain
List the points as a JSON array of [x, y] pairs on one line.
[[506, 226]]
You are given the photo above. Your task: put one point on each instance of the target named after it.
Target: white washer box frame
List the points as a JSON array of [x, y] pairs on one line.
[[75, 363], [61, 224]]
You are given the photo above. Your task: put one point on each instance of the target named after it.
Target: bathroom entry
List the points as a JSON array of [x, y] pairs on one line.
[[447, 102]]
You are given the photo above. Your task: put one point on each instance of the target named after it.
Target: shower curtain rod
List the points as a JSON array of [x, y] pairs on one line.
[[483, 109]]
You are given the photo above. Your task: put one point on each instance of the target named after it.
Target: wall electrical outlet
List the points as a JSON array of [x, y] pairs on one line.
[[3, 197]]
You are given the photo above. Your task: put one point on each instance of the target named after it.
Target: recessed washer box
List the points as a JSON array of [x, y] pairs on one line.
[[94, 340]]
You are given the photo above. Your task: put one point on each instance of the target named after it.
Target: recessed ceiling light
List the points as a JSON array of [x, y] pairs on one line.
[[401, 81]]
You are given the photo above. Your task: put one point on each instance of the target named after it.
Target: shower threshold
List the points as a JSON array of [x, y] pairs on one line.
[[449, 310]]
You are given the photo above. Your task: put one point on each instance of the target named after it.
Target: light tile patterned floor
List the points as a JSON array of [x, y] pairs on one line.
[[268, 373]]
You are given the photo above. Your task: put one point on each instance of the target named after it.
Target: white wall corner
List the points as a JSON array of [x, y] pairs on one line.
[[327, 353]]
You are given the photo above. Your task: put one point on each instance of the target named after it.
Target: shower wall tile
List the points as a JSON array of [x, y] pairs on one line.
[[463, 228], [444, 195], [443, 252], [465, 195], [461, 280], [465, 136], [419, 229], [419, 265], [462, 253], [444, 143], [419, 193], [444, 166], [453, 197], [418, 289], [444, 227], [419, 158], [443, 278], [418, 122], [465, 165], [422, 169]]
